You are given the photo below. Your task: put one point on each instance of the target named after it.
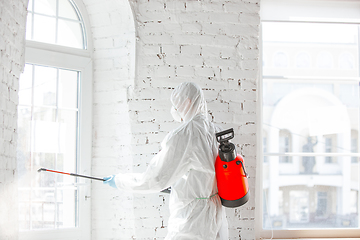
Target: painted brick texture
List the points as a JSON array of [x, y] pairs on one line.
[[12, 34], [213, 43], [113, 32]]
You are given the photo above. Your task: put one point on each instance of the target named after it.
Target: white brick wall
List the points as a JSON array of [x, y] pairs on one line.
[[12, 33], [113, 34], [213, 43]]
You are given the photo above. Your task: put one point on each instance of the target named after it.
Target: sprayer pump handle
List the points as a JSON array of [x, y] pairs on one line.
[[220, 135]]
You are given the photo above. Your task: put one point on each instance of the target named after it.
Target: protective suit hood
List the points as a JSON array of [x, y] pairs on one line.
[[189, 101]]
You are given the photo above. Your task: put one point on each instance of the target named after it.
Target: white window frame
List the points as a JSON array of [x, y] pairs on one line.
[[281, 14], [80, 60]]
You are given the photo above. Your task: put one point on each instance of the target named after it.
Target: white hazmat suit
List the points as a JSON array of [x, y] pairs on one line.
[[186, 163]]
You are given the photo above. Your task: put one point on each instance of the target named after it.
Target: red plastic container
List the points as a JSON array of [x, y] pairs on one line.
[[231, 176]]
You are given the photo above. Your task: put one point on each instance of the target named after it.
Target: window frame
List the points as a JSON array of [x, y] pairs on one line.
[[80, 60], [57, 17], [278, 16]]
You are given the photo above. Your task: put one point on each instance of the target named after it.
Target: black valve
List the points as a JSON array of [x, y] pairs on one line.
[[227, 151]]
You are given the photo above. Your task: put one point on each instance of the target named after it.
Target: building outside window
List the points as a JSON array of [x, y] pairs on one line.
[[54, 122], [303, 60], [330, 146], [354, 145], [264, 144], [321, 206], [311, 89], [284, 145]]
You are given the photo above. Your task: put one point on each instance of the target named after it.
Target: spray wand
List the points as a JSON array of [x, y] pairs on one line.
[[71, 174], [84, 176]]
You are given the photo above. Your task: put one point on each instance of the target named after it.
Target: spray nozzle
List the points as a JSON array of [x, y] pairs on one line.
[[227, 151], [225, 136]]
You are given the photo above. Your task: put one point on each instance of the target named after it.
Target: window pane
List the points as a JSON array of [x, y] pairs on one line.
[[66, 207], [47, 7], [66, 10], [43, 209], [47, 138], [68, 87], [311, 121], [44, 29], [55, 22], [354, 145], [29, 26], [23, 152], [25, 86], [45, 86], [45, 131], [69, 34], [24, 211], [30, 5], [330, 49], [67, 139]]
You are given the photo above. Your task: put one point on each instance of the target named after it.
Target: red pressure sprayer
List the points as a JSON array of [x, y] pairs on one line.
[[84, 176], [230, 172]]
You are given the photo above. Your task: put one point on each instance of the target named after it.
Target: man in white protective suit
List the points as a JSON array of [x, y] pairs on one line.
[[186, 163]]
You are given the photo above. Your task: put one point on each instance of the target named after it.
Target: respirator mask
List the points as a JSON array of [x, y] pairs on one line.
[[175, 114]]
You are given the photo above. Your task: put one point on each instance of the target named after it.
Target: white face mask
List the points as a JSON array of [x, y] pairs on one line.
[[175, 114]]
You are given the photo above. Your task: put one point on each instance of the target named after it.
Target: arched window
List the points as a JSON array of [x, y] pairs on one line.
[[303, 60], [56, 22], [325, 60], [54, 120], [346, 61], [280, 60]]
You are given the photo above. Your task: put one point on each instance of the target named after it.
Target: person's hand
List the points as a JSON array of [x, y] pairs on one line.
[[110, 180]]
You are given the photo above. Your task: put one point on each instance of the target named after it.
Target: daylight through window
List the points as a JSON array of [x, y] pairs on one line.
[[311, 121]]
